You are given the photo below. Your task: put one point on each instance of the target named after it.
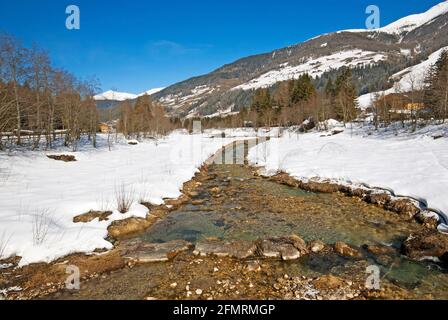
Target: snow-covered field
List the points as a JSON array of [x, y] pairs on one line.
[[414, 165], [39, 197]]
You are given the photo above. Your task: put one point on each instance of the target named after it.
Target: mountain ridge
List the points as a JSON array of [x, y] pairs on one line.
[[388, 50]]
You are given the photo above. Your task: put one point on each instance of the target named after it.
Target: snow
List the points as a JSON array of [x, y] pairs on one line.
[[315, 67], [151, 91], [415, 21], [410, 23], [36, 190], [222, 113], [413, 165], [114, 95], [122, 96], [404, 80], [179, 100]]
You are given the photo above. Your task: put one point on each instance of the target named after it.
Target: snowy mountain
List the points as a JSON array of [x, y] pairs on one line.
[[410, 23], [383, 52], [114, 96]]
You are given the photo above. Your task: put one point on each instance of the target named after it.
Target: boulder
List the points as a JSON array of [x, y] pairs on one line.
[[124, 228], [236, 249], [287, 248], [427, 219], [427, 243], [380, 199], [404, 207]]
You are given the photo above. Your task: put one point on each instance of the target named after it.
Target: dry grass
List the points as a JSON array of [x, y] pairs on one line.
[[124, 198], [41, 225], [4, 241]]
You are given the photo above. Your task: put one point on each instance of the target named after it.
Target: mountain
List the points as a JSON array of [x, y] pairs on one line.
[[151, 92], [111, 99], [375, 55], [114, 96]]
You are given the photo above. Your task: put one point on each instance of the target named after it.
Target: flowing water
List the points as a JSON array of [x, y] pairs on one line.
[[233, 204], [250, 208]]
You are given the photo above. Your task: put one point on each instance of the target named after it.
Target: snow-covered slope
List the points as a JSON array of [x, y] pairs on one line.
[[410, 23], [150, 92], [315, 67], [114, 95], [405, 80], [414, 21]]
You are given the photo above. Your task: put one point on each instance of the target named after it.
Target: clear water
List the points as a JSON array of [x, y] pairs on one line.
[[252, 208]]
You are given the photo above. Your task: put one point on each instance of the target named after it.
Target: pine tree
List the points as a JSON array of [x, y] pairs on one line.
[[346, 97], [436, 88], [302, 89]]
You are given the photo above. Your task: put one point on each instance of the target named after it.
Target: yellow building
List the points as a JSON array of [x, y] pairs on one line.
[[414, 106]]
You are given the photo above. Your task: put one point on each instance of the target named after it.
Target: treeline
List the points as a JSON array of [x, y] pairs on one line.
[[41, 102], [144, 119], [294, 101], [435, 94], [418, 102]]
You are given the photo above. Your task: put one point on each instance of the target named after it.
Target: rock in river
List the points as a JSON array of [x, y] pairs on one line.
[[236, 249], [427, 243], [287, 248], [142, 252]]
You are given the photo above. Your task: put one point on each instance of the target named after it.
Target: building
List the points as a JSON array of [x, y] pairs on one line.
[[105, 128]]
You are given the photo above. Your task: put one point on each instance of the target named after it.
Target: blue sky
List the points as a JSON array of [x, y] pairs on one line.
[[136, 45]]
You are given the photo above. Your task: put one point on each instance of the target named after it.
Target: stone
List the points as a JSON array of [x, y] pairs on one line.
[[198, 292], [404, 207], [427, 219], [380, 199], [287, 248], [236, 249], [316, 246], [427, 243], [142, 252], [379, 249], [345, 250], [123, 228]]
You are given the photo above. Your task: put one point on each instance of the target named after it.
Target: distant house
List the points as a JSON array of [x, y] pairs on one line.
[[415, 106], [398, 103], [105, 128]]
